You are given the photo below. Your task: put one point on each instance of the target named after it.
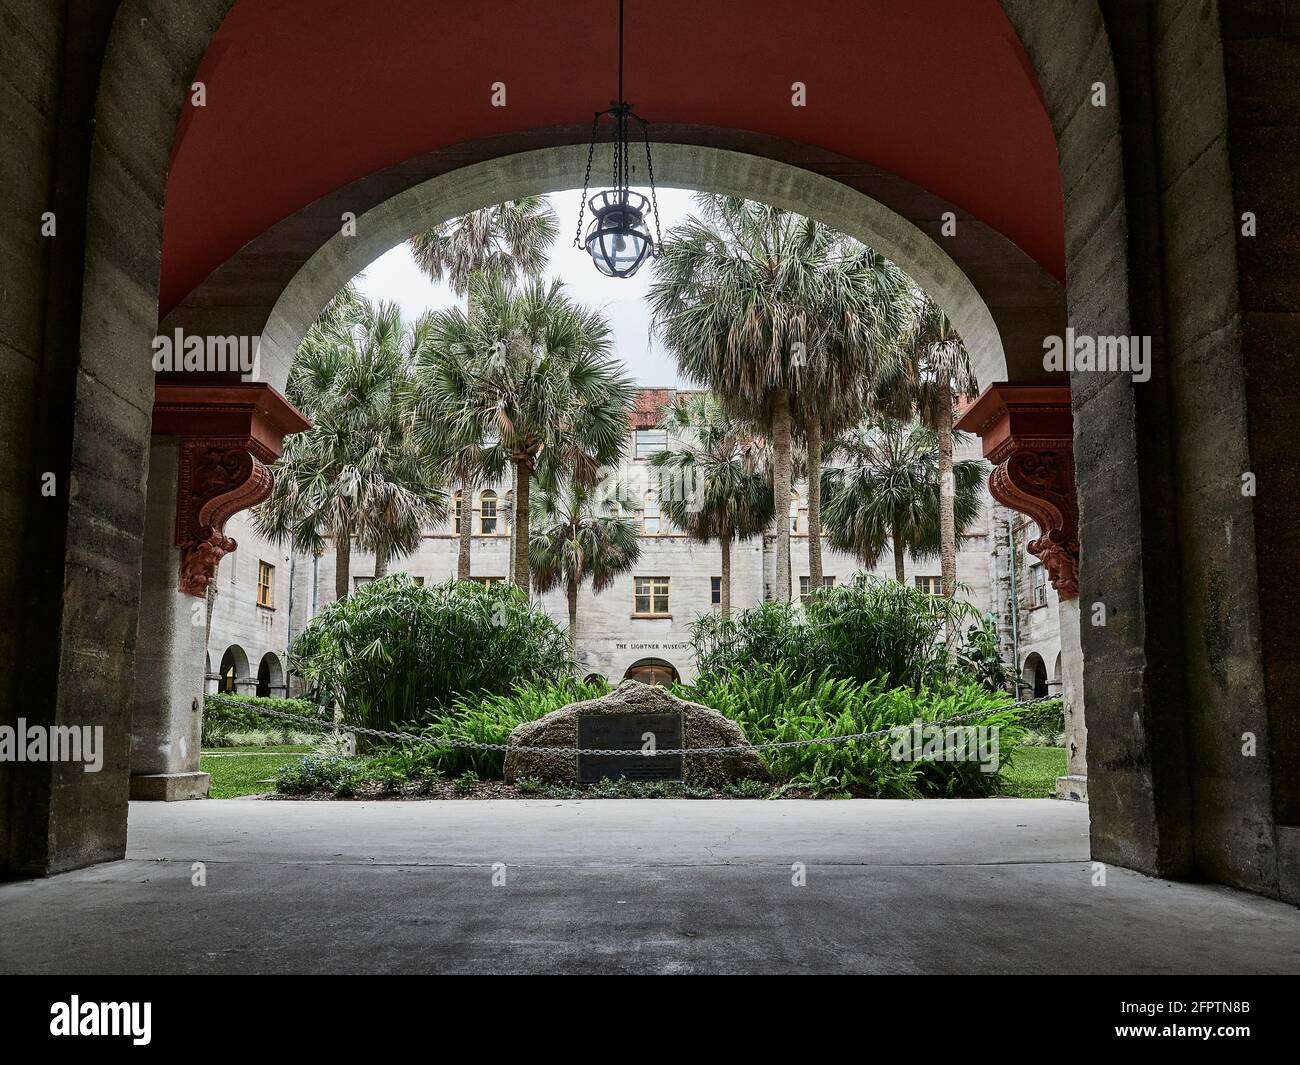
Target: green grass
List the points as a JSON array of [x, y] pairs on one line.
[[1033, 772], [239, 771]]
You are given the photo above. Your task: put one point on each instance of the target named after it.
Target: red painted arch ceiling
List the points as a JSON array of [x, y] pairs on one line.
[[304, 96]]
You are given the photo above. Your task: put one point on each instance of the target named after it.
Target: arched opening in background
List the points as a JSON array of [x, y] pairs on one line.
[[1034, 676], [270, 677], [653, 671], [234, 670]]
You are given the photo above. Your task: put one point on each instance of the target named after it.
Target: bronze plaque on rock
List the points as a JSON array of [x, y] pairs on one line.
[[631, 733]]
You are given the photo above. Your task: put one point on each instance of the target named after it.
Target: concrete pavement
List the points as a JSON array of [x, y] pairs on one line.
[[999, 885]]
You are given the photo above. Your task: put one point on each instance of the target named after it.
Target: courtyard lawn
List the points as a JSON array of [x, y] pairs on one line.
[[1033, 772], [239, 771]]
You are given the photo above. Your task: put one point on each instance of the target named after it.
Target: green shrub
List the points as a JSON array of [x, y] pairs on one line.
[[866, 630], [222, 720], [772, 706], [1046, 718], [395, 653], [491, 719], [309, 775]]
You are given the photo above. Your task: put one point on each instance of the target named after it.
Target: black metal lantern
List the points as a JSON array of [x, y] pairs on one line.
[[618, 238]]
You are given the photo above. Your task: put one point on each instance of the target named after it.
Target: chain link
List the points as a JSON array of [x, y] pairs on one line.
[[654, 199], [449, 741], [586, 180]]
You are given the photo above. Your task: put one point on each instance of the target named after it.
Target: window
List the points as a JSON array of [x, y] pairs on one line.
[[716, 591], [487, 582], [487, 518], [794, 512], [650, 441], [1037, 585], [234, 565], [508, 517], [652, 595], [931, 585], [455, 519], [805, 582], [265, 584], [650, 515]]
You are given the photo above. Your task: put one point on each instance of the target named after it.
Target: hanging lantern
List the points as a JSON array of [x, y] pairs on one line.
[[618, 238]]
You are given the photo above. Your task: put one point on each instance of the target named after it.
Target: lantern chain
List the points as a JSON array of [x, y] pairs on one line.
[[586, 180]]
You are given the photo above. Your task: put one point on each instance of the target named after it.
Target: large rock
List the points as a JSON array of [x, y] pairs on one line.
[[702, 726]]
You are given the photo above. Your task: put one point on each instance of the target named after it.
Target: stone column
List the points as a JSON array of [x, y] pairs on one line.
[[208, 461], [1028, 435]]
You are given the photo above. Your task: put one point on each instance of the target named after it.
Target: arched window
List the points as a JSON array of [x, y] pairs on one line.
[[487, 519], [455, 516], [508, 513], [795, 512]]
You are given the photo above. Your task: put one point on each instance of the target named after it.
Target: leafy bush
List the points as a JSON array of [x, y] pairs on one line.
[[868, 629], [222, 721], [339, 775], [1046, 718], [394, 652], [981, 655], [491, 719], [771, 705]]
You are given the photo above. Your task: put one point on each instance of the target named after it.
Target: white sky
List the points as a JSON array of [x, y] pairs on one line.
[[394, 276]]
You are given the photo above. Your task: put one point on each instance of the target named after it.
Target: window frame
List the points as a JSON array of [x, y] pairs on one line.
[[659, 587], [637, 451], [485, 497], [265, 601]]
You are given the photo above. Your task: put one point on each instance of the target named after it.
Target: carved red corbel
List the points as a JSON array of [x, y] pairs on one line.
[[229, 434], [1028, 435]]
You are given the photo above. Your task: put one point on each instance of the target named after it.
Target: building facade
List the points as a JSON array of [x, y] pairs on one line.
[[641, 626]]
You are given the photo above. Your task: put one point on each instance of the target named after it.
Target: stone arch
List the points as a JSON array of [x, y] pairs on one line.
[[270, 677], [233, 675], [1033, 676], [1141, 542]]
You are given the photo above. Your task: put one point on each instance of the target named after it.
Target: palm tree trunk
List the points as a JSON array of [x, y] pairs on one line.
[[342, 563], [781, 450], [814, 504], [573, 620], [523, 479], [726, 576], [897, 537], [381, 562], [466, 530], [947, 499]]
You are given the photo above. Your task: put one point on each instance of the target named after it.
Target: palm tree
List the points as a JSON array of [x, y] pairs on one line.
[[933, 369], [866, 298], [359, 471], [765, 308], [510, 239], [539, 386], [888, 492], [575, 543], [716, 484]]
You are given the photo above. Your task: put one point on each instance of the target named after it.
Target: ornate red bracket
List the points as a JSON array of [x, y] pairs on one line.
[[229, 434], [1028, 435]]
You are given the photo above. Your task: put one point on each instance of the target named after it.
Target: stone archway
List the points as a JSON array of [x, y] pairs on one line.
[[1174, 572], [270, 677], [653, 671]]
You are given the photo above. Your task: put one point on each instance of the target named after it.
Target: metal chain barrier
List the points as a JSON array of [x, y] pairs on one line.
[[449, 741]]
